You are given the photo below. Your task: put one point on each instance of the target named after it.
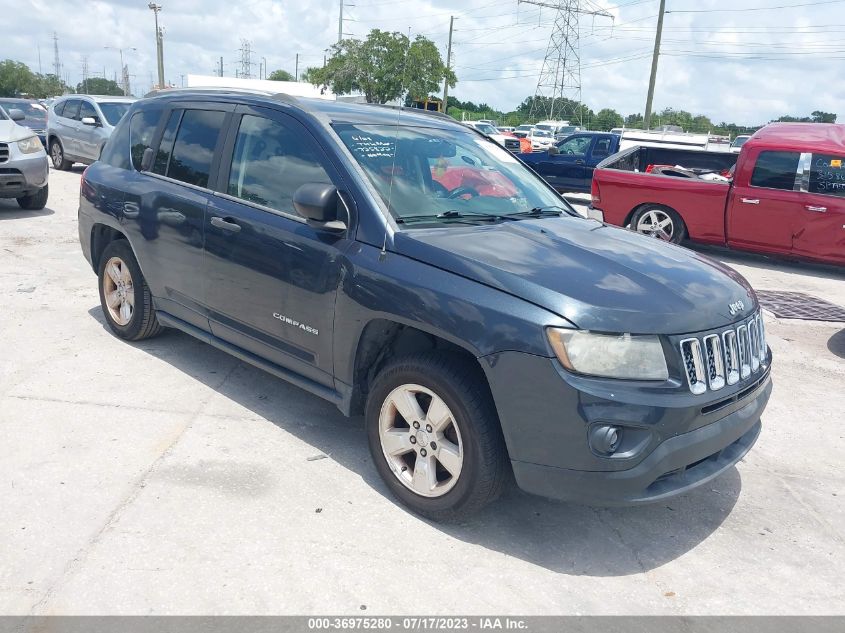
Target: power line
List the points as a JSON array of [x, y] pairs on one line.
[[782, 6]]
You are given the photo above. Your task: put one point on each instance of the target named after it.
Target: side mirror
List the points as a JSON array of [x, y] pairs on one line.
[[89, 120], [16, 114], [317, 202], [553, 150], [147, 159]]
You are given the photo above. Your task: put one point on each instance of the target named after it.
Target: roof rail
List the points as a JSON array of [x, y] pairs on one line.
[[441, 115], [219, 89]]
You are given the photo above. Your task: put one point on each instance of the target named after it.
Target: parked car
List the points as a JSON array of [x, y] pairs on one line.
[[78, 127], [23, 162], [35, 115], [509, 142], [565, 131], [505, 129], [407, 268], [785, 195], [568, 165], [522, 131], [540, 139], [739, 141]]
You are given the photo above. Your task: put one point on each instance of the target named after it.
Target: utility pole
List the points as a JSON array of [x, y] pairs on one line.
[[159, 44], [296, 72], [263, 61], [221, 66], [448, 65], [560, 77], [653, 77], [340, 24], [39, 58]]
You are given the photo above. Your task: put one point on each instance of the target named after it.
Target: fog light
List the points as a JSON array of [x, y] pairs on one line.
[[605, 439]]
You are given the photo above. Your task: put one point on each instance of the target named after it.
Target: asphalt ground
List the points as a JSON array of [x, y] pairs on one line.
[[167, 477]]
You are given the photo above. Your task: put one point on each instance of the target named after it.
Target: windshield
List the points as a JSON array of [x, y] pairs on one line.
[[427, 171], [113, 111], [486, 128], [35, 113], [542, 133], [739, 141]]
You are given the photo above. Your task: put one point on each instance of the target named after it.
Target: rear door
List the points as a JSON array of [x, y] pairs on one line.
[[601, 148], [765, 202], [820, 230], [272, 278], [567, 170], [66, 126], [164, 208]]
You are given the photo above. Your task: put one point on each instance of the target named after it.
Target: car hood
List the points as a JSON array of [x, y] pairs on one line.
[[10, 131], [596, 276]]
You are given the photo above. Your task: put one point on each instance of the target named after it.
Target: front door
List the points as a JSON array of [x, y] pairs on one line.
[[567, 170], [765, 202], [86, 135], [820, 231], [272, 278]]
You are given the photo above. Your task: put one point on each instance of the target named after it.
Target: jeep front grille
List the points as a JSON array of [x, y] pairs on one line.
[[725, 358], [4, 152]]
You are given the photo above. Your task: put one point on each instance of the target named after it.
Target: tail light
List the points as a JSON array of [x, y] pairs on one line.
[[595, 191]]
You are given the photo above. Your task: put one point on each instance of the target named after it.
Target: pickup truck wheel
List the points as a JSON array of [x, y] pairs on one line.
[[660, 222], [57, 155], [434, 435], [35, 201], [124, 296]]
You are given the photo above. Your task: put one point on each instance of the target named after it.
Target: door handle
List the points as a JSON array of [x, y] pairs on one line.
[[579, 162], [810, 207], [226, 225], [750, 200]]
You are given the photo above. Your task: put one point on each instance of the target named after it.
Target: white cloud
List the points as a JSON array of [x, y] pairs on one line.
[[746, 67]]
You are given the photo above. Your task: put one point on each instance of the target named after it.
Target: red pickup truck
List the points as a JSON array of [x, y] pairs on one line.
[[785, 195]]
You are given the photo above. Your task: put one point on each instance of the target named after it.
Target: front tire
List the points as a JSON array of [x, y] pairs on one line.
[[660, 222], [434, 435], [124, 295], [35, 201], [57, 155]]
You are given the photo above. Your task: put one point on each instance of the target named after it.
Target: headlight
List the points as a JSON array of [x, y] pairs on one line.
[[29, 145], [610, 355]]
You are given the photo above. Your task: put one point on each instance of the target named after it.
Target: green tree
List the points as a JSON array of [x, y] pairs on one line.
[[606, 119], [384, 67], [15, 78], [634, 120], [47, 86], [823, 117], [100, 86], [281, 75]]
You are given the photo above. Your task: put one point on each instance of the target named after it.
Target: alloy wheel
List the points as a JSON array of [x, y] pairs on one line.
[[656, 223], [119, 291], [420, 440]]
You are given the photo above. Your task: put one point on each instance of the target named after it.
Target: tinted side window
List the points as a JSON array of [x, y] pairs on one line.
[[270, 162], [602, 147], [86, 109], [578, 146], [59, 107], [71, 110], [193, 149], [166, 146], [827, 175], [116, 151], [142, 127], [775, 170]]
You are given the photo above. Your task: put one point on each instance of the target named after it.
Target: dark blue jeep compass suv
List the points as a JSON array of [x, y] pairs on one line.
[[408, 269]]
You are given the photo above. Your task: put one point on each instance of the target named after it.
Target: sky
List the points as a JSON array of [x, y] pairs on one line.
[[727, 60]]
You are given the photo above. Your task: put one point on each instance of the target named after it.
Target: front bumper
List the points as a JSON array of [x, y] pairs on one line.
[[681, 440], [23, 174]]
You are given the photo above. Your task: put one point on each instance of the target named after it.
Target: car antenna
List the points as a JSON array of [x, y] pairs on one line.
[[383, 253]]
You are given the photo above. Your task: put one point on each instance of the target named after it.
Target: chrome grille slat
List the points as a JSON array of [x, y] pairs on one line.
[[4, 152], [725, 358]]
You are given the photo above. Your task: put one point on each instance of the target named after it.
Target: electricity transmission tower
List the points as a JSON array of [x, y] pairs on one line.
[[85, 74], [246, 63], [57, 64], [558, 92]]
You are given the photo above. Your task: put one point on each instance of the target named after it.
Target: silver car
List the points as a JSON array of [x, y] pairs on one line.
[[79, 125]]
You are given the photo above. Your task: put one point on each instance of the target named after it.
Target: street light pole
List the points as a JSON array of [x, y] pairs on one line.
[[159, 45]]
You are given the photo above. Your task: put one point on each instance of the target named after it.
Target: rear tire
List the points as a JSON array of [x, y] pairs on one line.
[[660, 222], [35, 201], [449, 459], [57, 155], [124, 295]]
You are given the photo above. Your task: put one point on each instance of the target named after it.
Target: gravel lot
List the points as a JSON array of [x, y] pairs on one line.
[[168, 477]]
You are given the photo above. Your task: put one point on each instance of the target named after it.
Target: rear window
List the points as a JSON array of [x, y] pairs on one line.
[[59, 107], [142, 127], [113, 111], [827, 175], [71, 110], [775, 170]]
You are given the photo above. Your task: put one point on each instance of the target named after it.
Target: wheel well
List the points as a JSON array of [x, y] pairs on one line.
[[51, 138], [383, 340], [102, 236]]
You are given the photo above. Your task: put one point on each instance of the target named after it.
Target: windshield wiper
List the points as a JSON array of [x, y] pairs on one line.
[[451, 214], [537, 212]]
